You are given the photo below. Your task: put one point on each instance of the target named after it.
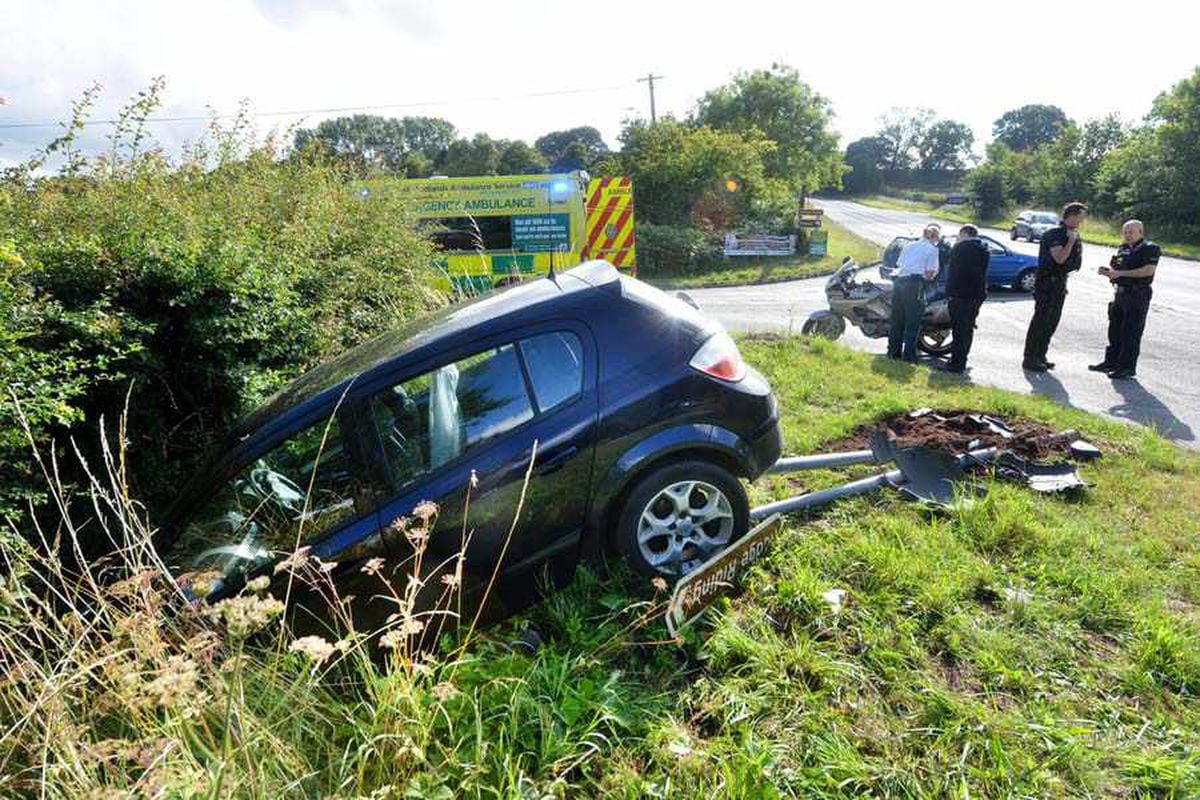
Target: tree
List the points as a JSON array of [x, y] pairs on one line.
[[945, 145], [786, 110], [518, 158], [370, 143], [685, 175], [483, 155], [1030, 126], [1155, 172], [575, 148], [903, 129], [865, 157]]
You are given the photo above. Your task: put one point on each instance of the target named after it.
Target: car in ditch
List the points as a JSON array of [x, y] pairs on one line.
[[623, 417], [1006, 267], [1032, 224]]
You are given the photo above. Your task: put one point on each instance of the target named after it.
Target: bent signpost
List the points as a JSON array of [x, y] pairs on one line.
[[696, 591]]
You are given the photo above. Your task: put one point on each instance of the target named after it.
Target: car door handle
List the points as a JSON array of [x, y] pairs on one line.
[[556, 461]]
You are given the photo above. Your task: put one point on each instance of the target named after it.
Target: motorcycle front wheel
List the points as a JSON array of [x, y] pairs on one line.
[[935, 342]]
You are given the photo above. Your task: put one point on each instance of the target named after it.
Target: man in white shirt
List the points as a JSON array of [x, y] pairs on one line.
[[918, 263]]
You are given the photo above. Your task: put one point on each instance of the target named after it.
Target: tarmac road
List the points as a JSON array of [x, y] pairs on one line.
[[1166, 393]]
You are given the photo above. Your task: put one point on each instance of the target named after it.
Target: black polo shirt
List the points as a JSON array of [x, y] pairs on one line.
[[968, 270], [1132, 256], [1048, 269]]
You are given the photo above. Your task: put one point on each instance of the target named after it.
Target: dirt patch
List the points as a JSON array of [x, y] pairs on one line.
[[955, 431]]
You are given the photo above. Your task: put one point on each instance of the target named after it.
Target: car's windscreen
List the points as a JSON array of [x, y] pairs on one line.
[[1045, 219], [296, 491]]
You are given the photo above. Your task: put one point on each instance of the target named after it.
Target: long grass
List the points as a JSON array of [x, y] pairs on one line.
[[1021, 646]]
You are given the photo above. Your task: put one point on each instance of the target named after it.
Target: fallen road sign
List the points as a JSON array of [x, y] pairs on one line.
[[695, 592]]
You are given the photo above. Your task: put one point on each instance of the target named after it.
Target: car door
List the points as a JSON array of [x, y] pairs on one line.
[[462, 434], [1003, 264]]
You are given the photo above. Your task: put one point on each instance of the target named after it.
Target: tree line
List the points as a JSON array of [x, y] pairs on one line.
[[1039, 156]]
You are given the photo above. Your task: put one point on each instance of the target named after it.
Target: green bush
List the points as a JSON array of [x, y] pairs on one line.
[[664, 250], [194, 289]]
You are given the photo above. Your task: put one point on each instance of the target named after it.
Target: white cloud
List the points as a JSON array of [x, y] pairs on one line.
[[968, 61]]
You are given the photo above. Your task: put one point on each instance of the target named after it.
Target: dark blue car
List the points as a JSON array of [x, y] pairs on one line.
[[1006, 267], [643, 415]]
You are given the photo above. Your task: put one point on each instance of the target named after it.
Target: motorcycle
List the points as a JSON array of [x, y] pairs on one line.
[[868, 306]]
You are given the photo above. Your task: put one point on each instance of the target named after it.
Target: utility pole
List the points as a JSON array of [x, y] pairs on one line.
[[650, 79]]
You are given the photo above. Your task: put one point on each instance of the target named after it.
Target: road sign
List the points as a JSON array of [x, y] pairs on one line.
[[818, 243], [718, 576]]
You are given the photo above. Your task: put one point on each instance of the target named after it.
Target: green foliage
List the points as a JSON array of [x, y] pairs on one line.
[[946, 145], [866, 158], [989, 184], [686, 176], [903, 129], [573, 149], [776, 104], [483, 155], [1030, 126], [1155, 173], [371, 144], [195, 288], [665, 250]]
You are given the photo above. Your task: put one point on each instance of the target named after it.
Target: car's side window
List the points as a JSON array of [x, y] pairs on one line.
[[433, 418], [300, 489], [995, 248], [555, 364]]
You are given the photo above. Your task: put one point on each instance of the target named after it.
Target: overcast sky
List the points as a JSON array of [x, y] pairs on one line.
[[505, 67]]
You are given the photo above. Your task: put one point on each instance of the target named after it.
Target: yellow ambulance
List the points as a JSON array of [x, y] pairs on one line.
[[495, 230]]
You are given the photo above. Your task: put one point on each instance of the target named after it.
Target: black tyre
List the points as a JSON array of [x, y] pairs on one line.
[[678, 516], [935, 342]]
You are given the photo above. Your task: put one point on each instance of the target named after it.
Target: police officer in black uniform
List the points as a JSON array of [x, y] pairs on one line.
[[966, 289], [1061, 253], [1131, 272]]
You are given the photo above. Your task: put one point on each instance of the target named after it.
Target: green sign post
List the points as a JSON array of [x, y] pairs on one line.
[[541, 233], [818, 242]]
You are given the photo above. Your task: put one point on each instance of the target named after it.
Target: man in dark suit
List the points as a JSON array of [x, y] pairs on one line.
[[966, 289]]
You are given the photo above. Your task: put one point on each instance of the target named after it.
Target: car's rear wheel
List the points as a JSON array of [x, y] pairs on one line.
[[678, 516], [1026, 280]]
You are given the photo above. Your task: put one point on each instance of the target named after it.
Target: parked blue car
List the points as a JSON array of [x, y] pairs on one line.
[[1006, 267], [642, 412]]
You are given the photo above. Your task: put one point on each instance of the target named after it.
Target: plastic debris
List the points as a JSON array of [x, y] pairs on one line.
[[836, 598], [1038, 476], [1083, 450]]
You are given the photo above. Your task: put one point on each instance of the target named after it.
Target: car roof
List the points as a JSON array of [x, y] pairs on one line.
[[428, 334]]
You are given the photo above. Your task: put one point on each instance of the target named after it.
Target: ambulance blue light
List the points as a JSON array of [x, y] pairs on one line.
[[560, 190]]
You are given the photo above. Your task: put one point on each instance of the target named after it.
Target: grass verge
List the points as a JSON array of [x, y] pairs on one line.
[[1095, 231], [1024, 646], [744, 271]]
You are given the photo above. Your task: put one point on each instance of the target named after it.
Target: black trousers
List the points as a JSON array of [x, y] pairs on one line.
[[1047, 311], [963, 312], [908, 308], [1126, 322]]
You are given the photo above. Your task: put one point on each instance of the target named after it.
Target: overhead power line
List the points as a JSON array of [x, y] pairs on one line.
[[341, 110]]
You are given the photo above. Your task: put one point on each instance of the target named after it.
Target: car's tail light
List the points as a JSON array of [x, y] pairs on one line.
[[719, 357]]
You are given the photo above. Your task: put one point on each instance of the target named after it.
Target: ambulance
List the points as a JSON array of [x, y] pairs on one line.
[[492, 231]]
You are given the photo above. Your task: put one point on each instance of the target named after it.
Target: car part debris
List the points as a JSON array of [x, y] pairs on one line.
[[1083, 450], [1040, 477], [996, 426], [931, 476]]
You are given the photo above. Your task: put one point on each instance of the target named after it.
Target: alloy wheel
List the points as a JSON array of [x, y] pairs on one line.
[[683, 525]]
